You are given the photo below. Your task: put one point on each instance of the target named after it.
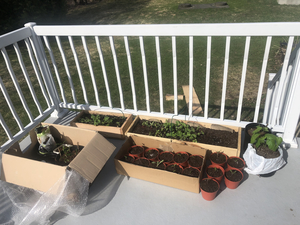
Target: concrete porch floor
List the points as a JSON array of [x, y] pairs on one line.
[[115, 199]]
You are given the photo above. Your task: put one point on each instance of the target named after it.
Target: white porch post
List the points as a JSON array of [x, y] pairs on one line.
[[45, 71]]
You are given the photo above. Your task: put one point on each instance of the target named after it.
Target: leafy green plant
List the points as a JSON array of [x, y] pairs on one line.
[[260, 130], [269, 140]]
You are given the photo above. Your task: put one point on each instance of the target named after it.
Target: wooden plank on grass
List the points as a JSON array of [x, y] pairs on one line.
[[196, 102], [171, 97]]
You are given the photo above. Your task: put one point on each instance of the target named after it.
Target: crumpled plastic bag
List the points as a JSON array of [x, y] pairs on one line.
[[45, 139], [68, 195], [257, 164]]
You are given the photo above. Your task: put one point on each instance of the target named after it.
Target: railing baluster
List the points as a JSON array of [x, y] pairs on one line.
[[5, 128], [145, 73], [16, 84], [62, 92], [36, 70], [130, 73], [270, 92], [78, 69], [243, 79], [282, 83], [208, 59], [161, 97], [88, 57], [191, 65], [10, 105], [66, 68], [104, 71], [112, 46], [21, 62], [225, 74], [262, 78], [175, 75]]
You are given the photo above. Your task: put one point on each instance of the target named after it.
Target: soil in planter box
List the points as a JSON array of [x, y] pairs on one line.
[[202, 134], [218, 158], [174, 168], [192, 172], [214, 172], [158, 165], [181, 158], [234, 175], [195, 161], [209, 185], [151, 154], [266, 152], [136, 150], [142, 162], [102, 120], [166, 156], [235, 162], [128, 159]]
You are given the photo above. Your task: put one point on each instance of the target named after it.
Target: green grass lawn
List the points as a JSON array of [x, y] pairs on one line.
[[158, 12]]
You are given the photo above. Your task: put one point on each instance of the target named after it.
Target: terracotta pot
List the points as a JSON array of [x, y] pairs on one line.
[[239, 168], [198, 167], [147, 161], [160, 154], [232, 184], [219, 179], [184, 172], [136, 155], [219, 164], [185, 163], [158, 165], [129, 158], [171, 164], [151, 149], [209, 196]]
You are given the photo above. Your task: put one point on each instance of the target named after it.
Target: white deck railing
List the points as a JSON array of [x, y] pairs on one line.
[[280, 110]]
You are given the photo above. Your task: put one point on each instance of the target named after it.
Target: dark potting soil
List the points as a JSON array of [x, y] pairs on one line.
[[113, 121], [68, 154], [195, 161], [151, 154], [136, 150], [235, 162], [174, 168], [142, 162], [218, 158], [209, 185], [204, 135], [266, 152], [233, 175], [128, 159], [166, 156], [180, 158], [214, 172], [190, 171], [158, 165]]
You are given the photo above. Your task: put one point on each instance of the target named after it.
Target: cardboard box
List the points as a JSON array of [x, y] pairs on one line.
[[28, 170], [106, 131], [163, 177], [214, 148]]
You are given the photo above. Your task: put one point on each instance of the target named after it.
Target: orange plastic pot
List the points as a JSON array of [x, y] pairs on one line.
[[185, 163], [171, 164], [219, 164], [136, 155], [219, 179], [147, 161], [209, 196], [151, 149], [198, 167], [160, 157], [234, 157], [232, 184]]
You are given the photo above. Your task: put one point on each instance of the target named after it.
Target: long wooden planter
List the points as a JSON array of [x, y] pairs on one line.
[[106, 131], [227, 150]]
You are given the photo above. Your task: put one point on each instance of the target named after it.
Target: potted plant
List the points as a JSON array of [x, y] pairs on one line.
[[195, 161], [181, 158], [129, 158], [215, 172], [142, 162], [151, 154], [234, 162], [175, 168], [191, 171], [136, 151], [108, 124], [209, 188], [218, 158], [263, 154], [168, 157], [160, 164], [233, 177]]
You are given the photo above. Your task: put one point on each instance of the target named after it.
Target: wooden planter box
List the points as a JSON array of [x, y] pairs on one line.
[[158, 176], [214, 148], [106, 131]]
